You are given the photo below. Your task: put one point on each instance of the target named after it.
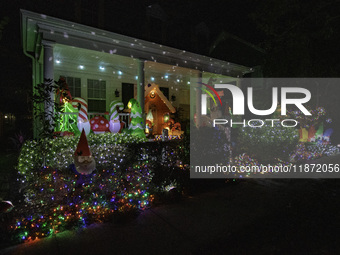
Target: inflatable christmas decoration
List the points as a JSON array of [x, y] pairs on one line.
[[83, 121], [83, 160], [137, 125], [63, 93], [114, 117], [158, 107], [6, 206], [99, 125]]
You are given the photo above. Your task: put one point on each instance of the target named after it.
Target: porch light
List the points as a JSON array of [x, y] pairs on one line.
[[58, 61], [81, 67], [117, 93], [120, 72], [152, 94], [129, 105]]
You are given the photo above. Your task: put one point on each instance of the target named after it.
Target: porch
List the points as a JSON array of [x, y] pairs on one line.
[[101, 66]]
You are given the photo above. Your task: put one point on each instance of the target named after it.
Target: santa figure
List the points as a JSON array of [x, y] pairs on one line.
[[6, 206], [83, 160]]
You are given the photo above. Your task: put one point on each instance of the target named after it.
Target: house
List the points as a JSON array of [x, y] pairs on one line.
[[158, 107], [100, 66]]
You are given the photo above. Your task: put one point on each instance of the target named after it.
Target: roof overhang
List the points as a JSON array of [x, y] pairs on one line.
[[154, 87], [36, 27]]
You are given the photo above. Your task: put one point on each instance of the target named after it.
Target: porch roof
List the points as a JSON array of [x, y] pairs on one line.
[[156, 89], [37, 27]]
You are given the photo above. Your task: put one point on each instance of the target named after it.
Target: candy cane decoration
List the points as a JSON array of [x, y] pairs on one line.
[[83, 121], [114, 116], [83, 108], [113, 109]]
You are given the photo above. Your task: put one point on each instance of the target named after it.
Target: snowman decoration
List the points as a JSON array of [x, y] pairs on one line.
[[83, 160]]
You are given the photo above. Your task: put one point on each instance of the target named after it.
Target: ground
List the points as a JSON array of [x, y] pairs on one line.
[[264, 216]]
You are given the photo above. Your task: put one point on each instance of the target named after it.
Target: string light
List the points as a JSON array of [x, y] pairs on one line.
[[57, 198]]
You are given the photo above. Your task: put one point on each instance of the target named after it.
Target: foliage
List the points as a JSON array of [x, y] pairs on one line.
[[168, 162], [208, 145], [267, 143], [310, 151], [3, 23], [18, 140], [306, 121], [56, 197], [56, 200], [302, 35], [46, 109], [105, 149]]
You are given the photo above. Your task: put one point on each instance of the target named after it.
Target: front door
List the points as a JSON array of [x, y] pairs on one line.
[[127, 93]]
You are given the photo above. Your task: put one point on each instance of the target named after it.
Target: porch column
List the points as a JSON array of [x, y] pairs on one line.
[[48, 72], [198, 100], [141, 86]]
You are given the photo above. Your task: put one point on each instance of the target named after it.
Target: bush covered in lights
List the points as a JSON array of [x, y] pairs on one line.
[[106, 149], [267, 143], [310, 151], [59, 200], [56, 197]]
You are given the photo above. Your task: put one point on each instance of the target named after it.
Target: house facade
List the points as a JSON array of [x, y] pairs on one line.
[[100, 66]]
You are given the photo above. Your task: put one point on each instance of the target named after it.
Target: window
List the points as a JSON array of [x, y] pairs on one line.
[[96, 94], [74, 85]]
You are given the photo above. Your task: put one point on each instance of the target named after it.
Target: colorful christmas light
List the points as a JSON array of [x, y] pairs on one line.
[[57, 198]]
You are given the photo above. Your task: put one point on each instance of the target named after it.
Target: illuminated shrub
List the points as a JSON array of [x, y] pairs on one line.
[[267, 143], [56, 197], [106, 149]]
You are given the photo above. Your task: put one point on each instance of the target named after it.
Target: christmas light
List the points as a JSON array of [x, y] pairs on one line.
[[57, 198]]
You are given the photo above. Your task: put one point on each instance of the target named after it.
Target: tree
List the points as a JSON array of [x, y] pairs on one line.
[[301, 37]]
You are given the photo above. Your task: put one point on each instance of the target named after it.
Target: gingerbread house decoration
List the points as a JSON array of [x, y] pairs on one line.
[[159, 106]]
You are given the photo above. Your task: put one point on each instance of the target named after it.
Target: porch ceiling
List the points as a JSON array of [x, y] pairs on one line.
[[77, 56], [77, 35], [73, 56]]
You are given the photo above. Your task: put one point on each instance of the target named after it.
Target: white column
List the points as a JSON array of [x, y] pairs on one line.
[[141, 86], [198, 100], [48, 68]]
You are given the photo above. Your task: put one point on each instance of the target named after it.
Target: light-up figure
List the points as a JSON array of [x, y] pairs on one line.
[[137, 124], [83, 121], [114, 116]]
